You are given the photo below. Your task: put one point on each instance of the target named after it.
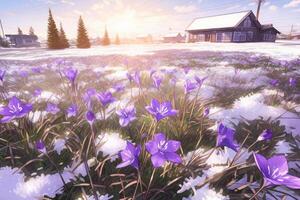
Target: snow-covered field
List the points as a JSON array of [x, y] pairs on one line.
[[247, 87]]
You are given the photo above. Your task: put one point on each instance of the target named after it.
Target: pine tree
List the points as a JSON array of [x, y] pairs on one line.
[[117, 42], [20, 32], [53, 36], [82, 36], [62, 38], [31, 31], [105, 40]]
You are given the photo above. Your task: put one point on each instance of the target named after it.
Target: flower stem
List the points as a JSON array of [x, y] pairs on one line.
[[258, 191]]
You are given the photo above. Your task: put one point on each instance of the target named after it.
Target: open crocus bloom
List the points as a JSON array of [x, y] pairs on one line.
[[130, 156], [161, 110], [163, 150], [15, 109], [275, 171]]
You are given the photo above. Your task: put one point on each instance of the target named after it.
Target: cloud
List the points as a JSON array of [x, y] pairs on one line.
[[185, 8], [70, 2], [273, 8], [292, 4], [267, 3]]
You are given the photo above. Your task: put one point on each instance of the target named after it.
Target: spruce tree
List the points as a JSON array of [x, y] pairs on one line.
[[82, 36], [53, 36], [20, 32], [117, 42], [62, 38], [31, 31], [105, 40]]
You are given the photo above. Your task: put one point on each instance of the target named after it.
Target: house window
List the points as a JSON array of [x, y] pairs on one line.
[[236, 36], [239, 36], [219, 37], [226, 36], [249, 36], [247, 22], [201, 37]]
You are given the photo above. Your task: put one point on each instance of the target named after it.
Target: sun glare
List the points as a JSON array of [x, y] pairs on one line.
[[124, 23]]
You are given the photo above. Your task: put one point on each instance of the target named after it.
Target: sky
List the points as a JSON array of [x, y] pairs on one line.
[[131, 18]]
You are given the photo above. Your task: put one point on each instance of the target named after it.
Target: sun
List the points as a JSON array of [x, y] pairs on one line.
[[124, 23]]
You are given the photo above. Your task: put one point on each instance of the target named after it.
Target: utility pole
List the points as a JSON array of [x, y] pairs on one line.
[[290, 37], [2, 28], [259, 2]]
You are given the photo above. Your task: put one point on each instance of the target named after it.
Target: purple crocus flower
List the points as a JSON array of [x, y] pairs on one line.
[[137, 78], [265, 135], [226, 137], [37, 92], [161, 110], [274, 82], [292, 82], [105, 98], [189, 86], [156, 81], [206, 112], [23, 74], [119, 87], [129, 76], [88, 95], [152, 72], [37, 70], [72, 111], [126, 115], [71, 74], [163, 150], [275, 171], [40, 146], [2, 74], [52, 108], [199, 80], [14, 110], [90, 117], [130, 156], [186, 70]]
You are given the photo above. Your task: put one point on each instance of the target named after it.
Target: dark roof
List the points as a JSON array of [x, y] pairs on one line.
[[34, 37], [265, 27]]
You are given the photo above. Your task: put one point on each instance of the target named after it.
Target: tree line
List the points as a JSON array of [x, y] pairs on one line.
[[57, 39]]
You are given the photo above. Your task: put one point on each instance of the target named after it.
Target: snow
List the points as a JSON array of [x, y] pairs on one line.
[[252, 107], [59, 145], [280, 50], [218, 21], [110, 144], [206, 193]]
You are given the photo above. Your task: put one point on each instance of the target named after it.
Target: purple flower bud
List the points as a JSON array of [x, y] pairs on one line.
[[38, 92], [206, 112], [40, 146], [72, 111], [265, 135], [189, 86], [2, 74], [292, 82], [156, 81], [71, 74], [90, 117], [274, 83]]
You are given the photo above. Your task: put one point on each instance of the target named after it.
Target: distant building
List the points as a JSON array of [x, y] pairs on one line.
[[233, 27], [21, 40], [174, 38], [144, 39]]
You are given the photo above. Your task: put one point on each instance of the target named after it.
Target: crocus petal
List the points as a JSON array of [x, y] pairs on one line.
[[173, 157], [158, 160], [159, 137], [4, 111], [262, 164], [290, 181], [124, 164], [6, 119], [151, 147], [278, 165], [173, 146]]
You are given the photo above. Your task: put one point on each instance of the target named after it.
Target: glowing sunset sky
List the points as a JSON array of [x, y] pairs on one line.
[[134, 17]]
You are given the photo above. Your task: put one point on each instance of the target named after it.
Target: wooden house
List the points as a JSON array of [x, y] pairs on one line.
[[233, 27], [21, 40], [173, 38]]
